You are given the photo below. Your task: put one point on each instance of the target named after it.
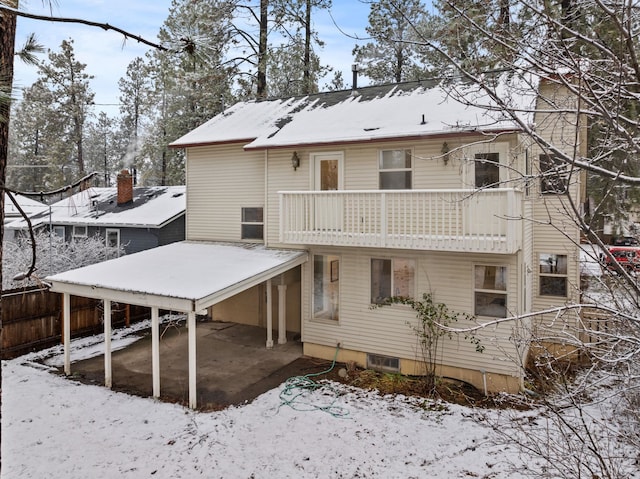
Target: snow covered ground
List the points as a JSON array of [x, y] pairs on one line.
[[56, 427]]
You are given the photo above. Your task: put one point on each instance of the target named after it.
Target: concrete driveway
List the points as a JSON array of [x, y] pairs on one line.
[[234, 366]]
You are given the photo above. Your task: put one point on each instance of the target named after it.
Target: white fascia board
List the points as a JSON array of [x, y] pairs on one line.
[[128, 297], [247, 283]]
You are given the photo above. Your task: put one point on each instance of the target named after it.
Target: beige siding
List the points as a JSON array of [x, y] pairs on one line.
[[360, 168], [220, 181], [386, 330], [554, 230]]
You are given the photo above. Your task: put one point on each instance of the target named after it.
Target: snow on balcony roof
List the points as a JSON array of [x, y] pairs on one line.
[[186, 276], [403, 110], [151, 207]]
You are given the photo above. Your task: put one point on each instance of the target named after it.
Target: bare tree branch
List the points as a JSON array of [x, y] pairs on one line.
[[104, 26]]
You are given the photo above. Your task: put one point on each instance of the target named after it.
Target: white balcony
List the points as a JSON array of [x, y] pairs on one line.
[[485, 221]]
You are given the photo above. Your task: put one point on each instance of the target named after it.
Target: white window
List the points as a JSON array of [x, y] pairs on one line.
[[252, 224], [112, 238], [392, 278], [487, 170], [79, 231], [59, 231], [490, 291], [326, 287], [553, 175], [553, 274], [395, 169]]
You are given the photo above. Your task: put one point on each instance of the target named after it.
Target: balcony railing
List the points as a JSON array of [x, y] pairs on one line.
[[447, 220]]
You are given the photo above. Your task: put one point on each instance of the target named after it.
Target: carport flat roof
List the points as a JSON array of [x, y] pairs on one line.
[[185, 276]]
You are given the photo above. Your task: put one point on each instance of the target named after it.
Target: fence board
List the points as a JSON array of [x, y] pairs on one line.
[[32, 319]]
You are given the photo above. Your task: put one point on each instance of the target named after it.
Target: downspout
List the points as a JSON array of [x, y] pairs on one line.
[[265, 213]]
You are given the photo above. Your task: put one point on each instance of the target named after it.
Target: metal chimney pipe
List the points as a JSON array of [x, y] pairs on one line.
[[354, 69]]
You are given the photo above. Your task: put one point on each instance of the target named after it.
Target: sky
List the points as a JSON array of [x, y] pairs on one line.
[[107, 55]]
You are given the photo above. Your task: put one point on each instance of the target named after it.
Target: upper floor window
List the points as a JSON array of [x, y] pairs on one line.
[[395, 169], [490, 291], [487, 170], [252, 224], [553, 274], [392, 278], [79, 231], [554, 177]]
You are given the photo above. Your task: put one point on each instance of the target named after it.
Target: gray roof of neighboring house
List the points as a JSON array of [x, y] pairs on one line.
[[29, 206], [152, 207]]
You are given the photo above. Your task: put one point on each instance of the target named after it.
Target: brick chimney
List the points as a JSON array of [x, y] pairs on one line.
[[125, 187]]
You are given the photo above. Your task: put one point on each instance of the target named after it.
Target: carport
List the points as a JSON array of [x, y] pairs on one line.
[[187, 277]]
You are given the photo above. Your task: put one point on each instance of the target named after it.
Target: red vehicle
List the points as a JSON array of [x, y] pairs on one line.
[[627, 256]]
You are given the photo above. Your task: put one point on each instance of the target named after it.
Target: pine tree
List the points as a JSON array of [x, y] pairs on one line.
[[72, 103], [393, 56]]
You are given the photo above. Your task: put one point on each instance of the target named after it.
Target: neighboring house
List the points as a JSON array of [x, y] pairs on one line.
[[358, 196], [29, 206], [137, 218]]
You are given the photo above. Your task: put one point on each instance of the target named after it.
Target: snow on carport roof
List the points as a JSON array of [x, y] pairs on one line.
[[185, 276]]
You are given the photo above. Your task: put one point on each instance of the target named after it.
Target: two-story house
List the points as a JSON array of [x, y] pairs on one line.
[[357, 196]]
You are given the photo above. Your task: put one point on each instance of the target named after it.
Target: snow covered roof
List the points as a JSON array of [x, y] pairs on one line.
[[413, 109], [29, 206], [184, 276], [152, 207]]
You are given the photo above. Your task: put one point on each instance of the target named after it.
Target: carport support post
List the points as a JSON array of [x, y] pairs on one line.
[[155, 351], [191, 325], [107, 343], [66, 331], [282, 313], [269, 316]]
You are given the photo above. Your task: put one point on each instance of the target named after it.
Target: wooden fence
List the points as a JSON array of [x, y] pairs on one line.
[[32, 319]]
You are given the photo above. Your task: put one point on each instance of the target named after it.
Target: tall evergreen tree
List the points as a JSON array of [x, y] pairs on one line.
[[102, 152], [33, 137], [188, 88], [392, 55], [65, 77]]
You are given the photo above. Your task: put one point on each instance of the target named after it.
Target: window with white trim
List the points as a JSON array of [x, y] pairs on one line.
[[553, 274], [392, 278], [487, 170], [59, 231], [112, 238], [326, 287], [252, 223], [395, 169], [490, 291], [554, 178], [79, 231]]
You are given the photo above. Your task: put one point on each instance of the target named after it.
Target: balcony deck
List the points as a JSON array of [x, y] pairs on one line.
[[483, 221]]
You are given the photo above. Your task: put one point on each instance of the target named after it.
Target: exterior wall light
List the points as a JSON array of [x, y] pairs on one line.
[[295, 160]]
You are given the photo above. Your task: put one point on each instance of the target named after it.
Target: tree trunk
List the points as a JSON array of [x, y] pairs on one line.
[[307, 50], [262, 51], [7, 50]]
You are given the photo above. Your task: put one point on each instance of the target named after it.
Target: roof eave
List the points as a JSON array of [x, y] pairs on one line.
[[434, 136], [209, 143]]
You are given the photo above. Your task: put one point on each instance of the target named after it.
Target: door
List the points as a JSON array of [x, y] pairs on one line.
[[328, 206]]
